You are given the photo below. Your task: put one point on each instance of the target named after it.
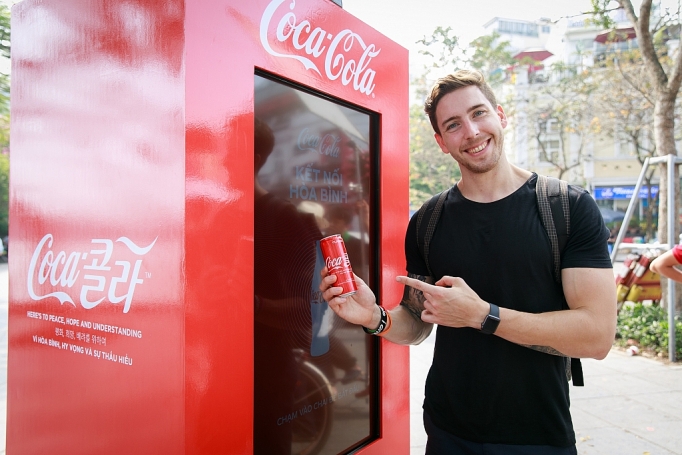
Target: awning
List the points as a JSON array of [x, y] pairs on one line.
[[616, 35], [537, 55]]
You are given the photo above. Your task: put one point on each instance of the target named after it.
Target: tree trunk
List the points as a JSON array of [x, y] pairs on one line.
[[664, 127]]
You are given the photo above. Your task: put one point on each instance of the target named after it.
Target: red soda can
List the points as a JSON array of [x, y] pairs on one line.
[[337, 262]]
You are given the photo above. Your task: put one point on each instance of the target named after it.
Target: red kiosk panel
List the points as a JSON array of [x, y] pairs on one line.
[[133, 312]]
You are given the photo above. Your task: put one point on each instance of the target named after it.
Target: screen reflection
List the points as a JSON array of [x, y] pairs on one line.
[[313, 392]]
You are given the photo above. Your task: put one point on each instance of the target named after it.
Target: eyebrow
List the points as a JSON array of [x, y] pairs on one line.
[[455, 117]]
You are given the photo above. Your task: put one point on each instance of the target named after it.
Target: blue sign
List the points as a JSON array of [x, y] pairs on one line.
[[622, 192]]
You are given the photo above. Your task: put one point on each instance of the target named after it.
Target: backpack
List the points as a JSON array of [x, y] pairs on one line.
[[553, 198]]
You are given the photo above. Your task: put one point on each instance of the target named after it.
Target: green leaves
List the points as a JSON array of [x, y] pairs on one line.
[[431, 170], [600, 14], [647, 325], [4, 31], [487, 54], [4, 121]]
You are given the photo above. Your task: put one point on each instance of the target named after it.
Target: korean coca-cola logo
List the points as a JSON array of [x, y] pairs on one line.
[[101, 280], [345, 54]]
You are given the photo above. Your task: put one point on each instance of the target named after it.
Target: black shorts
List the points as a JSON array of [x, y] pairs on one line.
[[441, 442]]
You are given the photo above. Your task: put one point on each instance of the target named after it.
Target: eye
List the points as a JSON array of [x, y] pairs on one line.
[[451, 126], [479, 112]]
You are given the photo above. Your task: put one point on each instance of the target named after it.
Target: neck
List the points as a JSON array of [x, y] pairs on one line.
[[493, 185]]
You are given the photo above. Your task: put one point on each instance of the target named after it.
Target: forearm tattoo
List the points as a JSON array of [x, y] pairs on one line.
[[545, 349], [413, 299]]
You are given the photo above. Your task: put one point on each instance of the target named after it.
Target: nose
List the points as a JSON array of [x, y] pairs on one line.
[[470, 129]]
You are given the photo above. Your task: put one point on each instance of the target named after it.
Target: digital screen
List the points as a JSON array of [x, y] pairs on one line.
[[314, 380]]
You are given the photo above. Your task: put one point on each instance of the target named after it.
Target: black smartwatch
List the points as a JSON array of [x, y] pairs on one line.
[[491, 321]]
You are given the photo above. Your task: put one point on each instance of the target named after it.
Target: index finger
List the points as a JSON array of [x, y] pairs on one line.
[[414, 283]]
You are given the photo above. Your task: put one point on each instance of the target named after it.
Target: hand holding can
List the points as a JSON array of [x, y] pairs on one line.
[[337, 262]]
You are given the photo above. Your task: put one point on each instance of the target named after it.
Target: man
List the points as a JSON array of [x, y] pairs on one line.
[[495, 389]]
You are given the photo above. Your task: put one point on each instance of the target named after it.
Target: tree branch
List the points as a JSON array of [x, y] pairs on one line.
[[645, 40], [676, 73], [632, 83]]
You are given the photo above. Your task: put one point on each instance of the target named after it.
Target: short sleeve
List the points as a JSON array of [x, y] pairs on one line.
[[415, 261], [587, 245], [677, 253]]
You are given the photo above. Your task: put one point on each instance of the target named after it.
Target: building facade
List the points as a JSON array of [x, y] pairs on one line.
[[543, 134]]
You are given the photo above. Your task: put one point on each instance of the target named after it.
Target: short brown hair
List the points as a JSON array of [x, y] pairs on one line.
[[452, 82]]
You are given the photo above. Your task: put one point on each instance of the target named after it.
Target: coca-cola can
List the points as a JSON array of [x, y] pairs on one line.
[[337, 262]]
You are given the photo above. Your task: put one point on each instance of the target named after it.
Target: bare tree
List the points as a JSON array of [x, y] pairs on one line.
[[561, 119], [626, 115], [665, 82]]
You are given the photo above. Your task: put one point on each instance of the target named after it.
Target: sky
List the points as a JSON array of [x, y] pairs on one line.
[[406, 21]]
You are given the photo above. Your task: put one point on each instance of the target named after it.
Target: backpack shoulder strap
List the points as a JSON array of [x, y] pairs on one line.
[[554, 205], [427, 219], [552, 198]]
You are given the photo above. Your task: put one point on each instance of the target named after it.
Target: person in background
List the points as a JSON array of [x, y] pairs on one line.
[[497, 384], [666, 264], [284, 264]]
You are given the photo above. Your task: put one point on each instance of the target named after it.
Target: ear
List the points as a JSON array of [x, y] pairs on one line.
[[502, 115], [441, 143]]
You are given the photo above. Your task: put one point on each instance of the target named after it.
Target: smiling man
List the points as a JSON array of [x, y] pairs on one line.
[[497, 384]]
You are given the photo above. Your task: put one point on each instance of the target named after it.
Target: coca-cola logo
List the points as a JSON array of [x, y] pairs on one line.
[[346, 55], [101, 280], [324, 145], [340, 261]]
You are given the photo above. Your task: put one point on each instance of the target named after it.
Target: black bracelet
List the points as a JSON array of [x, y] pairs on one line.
[[382, 323]]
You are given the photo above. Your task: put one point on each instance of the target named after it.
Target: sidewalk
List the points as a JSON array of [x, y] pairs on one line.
[[629, 405]]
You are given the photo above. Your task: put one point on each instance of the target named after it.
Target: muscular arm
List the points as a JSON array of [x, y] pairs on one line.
[[586, 329], [361, 308], [408, 327]]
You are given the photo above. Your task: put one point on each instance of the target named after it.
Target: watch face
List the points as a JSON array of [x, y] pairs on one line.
[[490, 324]]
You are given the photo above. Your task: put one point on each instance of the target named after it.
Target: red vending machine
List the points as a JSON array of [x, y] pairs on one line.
[[174, 167]]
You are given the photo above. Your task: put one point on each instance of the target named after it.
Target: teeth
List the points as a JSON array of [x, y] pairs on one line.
[[479, 148]]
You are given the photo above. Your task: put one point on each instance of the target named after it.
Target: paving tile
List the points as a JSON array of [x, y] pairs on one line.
[[614, 441], [629, 406], [665, 434]]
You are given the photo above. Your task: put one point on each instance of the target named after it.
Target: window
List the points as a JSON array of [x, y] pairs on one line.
[[553, 126], [549, 126], [549, 150], [550, 144], [517, 28]]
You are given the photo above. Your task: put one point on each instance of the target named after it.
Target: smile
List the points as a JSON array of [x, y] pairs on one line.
[[479, 148]]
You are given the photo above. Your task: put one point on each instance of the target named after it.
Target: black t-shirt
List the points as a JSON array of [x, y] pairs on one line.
[[483, 388]]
